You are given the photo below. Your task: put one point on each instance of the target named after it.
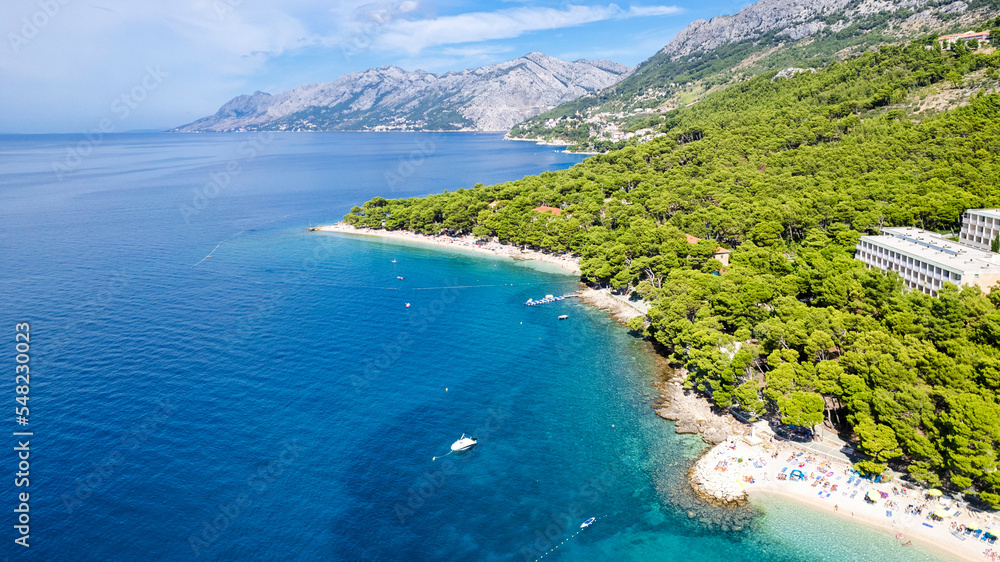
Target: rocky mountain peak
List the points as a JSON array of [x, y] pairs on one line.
[[795, 19], [490, 98]]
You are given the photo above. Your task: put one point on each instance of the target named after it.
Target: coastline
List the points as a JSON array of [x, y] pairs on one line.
[[567, 262], [747, 467], [740, 466], [930, 544], [619, 309], [543, 142], [731, 440]]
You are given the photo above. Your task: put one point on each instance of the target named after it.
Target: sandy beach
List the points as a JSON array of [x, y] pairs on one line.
[[747, 464], [741, 467], [567, 262]]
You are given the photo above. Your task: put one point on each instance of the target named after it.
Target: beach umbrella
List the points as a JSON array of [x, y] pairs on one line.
[[972, 527], [934, 492], [942, 513], [991, 532], [873, 496]]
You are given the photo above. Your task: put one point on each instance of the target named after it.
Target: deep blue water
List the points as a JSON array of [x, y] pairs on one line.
[[277, 400]]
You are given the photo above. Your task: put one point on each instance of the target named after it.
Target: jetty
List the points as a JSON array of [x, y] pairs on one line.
[[547, 299]]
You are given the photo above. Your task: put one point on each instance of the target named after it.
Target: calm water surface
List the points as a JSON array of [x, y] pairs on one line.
[[211, 381]]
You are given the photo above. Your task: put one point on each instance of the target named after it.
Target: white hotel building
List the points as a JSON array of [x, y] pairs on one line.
[[926, 260], [980, 227]]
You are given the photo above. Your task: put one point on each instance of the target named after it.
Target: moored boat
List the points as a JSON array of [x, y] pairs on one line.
[[463, 444]]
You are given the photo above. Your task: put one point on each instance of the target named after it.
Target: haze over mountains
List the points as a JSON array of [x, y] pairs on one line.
[[388, 98]]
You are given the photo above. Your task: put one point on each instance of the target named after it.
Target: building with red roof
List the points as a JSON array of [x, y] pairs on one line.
[[720, 254]]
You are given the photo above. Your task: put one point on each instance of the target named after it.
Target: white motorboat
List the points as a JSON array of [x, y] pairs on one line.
[[463, 444]]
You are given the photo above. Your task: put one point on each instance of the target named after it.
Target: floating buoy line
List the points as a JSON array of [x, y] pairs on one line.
[[586, 524], [217, 247], [237, 234]]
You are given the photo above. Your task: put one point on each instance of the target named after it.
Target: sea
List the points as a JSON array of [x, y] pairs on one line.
[[211, 380]]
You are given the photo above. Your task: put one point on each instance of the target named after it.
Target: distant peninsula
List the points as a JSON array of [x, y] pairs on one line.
[[388, 98]]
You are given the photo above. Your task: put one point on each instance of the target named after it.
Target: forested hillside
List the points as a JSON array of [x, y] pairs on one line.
[[669, 79], [789, 174]]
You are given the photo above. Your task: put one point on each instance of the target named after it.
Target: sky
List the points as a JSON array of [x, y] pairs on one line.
[[75, 66]]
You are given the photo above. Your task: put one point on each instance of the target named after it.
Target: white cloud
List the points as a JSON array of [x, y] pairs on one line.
[[66, 74], [650, 11], [413, 36]]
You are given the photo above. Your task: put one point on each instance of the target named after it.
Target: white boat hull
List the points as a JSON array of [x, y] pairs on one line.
[[463, 444]]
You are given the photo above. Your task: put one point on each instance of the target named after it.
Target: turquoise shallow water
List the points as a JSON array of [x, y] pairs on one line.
[[277, 400]]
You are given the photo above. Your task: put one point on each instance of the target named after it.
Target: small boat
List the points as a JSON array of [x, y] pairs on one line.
[[393, 261], [463, 444], [407, 305], [398, 277], [564, 316], [587, 523]]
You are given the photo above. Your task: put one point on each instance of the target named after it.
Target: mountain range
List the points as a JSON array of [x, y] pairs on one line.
[[388, 98], [765, 36]]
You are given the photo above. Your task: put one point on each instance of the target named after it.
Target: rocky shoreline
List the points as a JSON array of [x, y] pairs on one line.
[[693, 414], [738, 464], [618, 309], [719, 487]]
